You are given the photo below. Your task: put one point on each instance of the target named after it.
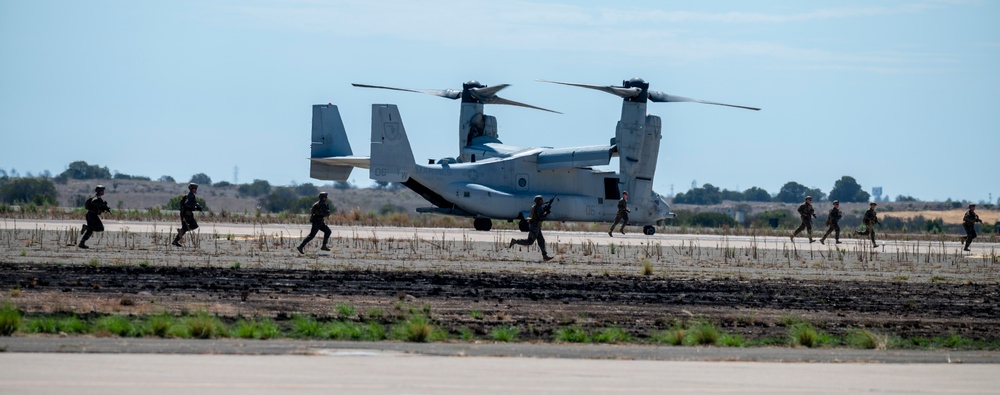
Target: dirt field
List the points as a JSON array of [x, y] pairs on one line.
[[908, 289]]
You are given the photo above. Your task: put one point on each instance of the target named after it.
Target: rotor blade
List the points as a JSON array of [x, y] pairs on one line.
[[487, 92], [445, 93], [663, 97], [500, 100], [488, 95], [619, 91]]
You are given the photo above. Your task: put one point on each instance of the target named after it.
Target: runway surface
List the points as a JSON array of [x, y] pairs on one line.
[[384, 232], [203, 367]]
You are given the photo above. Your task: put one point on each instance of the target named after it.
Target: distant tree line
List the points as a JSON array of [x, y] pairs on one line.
[[293, 199], [784, 219], [846, 190], [37, 191], [41, 191]]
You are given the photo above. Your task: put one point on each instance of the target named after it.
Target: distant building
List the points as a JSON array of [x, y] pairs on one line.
[[877, 194]]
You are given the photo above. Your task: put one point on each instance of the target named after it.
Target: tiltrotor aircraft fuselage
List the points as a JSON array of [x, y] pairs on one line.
[[492, 180]]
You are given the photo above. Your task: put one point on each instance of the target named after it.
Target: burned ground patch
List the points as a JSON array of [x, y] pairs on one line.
[[539, 303]]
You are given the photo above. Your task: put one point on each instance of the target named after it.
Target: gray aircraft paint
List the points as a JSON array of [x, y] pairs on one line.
[[492, 180]]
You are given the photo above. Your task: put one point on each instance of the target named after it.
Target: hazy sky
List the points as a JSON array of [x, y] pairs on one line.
[[899, 94]]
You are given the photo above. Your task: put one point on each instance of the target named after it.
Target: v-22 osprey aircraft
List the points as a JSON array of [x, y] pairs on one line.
[[492, 180]]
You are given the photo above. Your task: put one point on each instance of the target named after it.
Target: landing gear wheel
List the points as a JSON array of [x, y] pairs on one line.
[[523, 225], [483, 224], [649, 230]]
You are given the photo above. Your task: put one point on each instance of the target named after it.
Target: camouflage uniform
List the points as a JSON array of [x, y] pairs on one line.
[[832, 223], [622, 214], [320, 210], [95, 205], [806, 212], [869, 220], [538, 214], [189, 204], [969, 223]]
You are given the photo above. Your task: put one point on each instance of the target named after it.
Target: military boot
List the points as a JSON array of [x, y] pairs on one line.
[[177, 239]]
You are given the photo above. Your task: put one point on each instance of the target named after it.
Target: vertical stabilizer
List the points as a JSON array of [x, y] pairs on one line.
[[472, 124], [392, 157], [329, 139]]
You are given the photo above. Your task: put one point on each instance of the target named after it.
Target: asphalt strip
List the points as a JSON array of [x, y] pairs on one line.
[[41, 344]]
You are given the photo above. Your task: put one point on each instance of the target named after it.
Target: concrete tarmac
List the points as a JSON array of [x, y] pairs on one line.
[[375, 372], [45, 365]]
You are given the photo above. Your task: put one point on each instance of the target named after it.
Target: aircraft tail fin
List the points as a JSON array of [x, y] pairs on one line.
[[391, 155], [329, 139]]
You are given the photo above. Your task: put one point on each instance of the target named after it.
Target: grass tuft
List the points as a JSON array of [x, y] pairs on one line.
[[697, 333], [417, 328], [702, 333], [345, 310], [572, 334], [864, 338], [505, 333], [647, 267], [347, 330], [161, 325], [41, 325], [10, 319], [117, 325], [306, 327], [203, 325], [254, 329], [612, 335], [344, 330], [72, 325], [803, 334], [731, 340], [673, 337]]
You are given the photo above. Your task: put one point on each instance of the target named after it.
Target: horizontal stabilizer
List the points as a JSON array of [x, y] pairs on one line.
[[356, 161], [322, 171]]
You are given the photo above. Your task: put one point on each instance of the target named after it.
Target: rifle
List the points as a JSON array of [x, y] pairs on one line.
[[547, 207]]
